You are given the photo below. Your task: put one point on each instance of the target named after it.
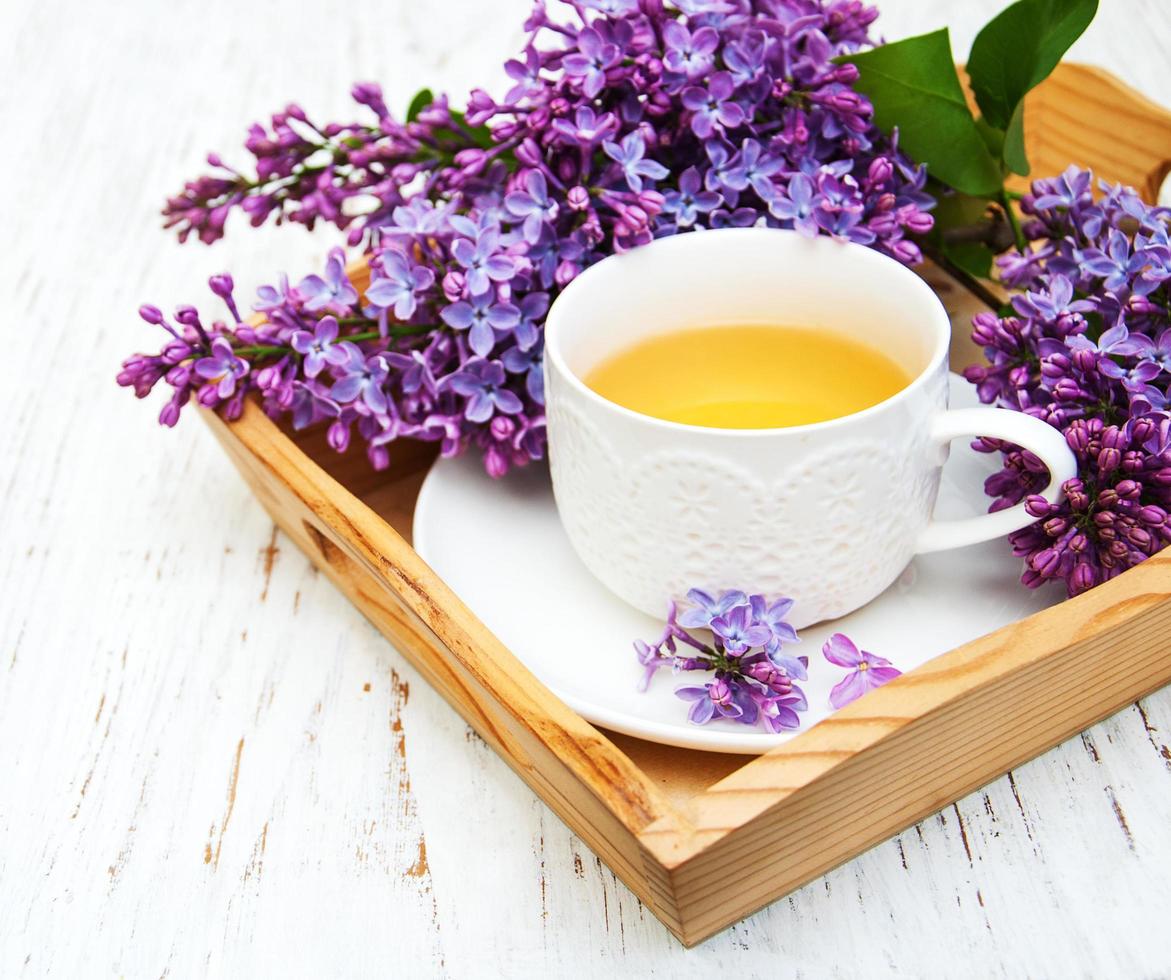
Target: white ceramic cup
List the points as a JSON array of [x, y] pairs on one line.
[[828, 513]]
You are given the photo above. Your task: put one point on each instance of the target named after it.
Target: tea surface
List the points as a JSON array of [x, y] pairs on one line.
[[748, 377]]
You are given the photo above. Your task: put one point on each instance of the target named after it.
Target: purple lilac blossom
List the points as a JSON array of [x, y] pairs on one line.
[[749, 684], [1085, 348], [623, 122], [867, 671]]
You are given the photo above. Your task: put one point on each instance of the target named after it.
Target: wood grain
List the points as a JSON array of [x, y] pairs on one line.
[[151, 616]]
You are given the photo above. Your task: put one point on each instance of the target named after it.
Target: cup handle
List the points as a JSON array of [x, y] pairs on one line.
[[1044, 441]]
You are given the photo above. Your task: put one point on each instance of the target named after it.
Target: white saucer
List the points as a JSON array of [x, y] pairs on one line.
[[500, 546]]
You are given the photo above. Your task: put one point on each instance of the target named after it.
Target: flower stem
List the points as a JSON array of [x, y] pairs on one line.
[[1018, 235]]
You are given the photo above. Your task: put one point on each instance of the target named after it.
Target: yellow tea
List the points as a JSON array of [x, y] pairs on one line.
[[747, 377]]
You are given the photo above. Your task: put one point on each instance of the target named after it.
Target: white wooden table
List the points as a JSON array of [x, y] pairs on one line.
[[210, 763]]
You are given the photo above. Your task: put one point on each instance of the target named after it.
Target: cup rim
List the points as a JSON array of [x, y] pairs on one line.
[[941, 324]]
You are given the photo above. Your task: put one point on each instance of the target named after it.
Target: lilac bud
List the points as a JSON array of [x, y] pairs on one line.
[[1037, 506], [919, 222], [502, 427], [471, 161], [1152, 514], [906, 252], [1056, 526], [495, 462], [453, 285], [1045, 562], [338, 436], [268, 376], [187, 315], [169, 415], [151, 314], [379, 456], [1077, 436], [721, 692], [578, 198], [1140, 538], [983, 328], [1083, 578], [1086, 361], [179, 375], [529, 154], [1031, 579]]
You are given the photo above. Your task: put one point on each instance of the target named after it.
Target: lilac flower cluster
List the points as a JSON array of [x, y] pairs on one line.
[[754, 678], [626, 121], [1086, 347]]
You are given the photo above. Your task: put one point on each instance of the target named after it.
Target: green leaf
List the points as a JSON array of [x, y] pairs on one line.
[[1014, 143], [1017, 50], [422, 98], [973, 257], [993, 138], [913, 85]]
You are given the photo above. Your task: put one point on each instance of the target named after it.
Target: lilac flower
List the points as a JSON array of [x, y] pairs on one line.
[[587, 127], [689, 202], [483, 261], [1071, 189], [1107, 391], [713, 106], [533, 204], [222, 368], [869, 671], [745, 57], [721, 697], [751, 167], [334, 291], [706, 607], [1115, 342], [532, 310], [629, 156], [362, 380], [481, 316], [1137, 379], [794, 205], [415, 371], [838, 210], [482, 383], [270, 298], [529, 364], [526, 74], [591, 60], [1115, 262], [738, 631], [399, 285], [688, 53], [318, 347], [310, 406], [1154, 349], [779, 714]]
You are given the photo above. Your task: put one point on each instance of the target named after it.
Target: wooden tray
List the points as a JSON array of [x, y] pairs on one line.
[[704, 839]]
